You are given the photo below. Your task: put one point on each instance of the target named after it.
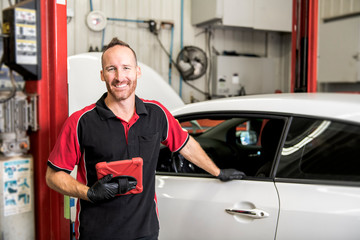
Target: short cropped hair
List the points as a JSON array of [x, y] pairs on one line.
[[116, 42]]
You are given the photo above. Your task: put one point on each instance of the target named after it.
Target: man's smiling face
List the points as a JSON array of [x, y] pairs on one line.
[[120, 72]]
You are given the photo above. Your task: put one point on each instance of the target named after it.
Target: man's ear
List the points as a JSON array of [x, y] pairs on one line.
[[102, 75], [138, 71]]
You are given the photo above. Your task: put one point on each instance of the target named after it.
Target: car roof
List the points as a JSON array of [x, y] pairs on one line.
[[325, 105]]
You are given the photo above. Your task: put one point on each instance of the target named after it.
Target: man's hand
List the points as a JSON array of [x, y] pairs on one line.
[[230, 174], [103, 189]]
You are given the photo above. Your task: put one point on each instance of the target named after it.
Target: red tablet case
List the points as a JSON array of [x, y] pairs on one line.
[[132, 167]]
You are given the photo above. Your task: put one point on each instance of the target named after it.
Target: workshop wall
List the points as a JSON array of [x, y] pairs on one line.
[[269, 44], [339, 49], [266, 44], [337, 8], [273, 45]]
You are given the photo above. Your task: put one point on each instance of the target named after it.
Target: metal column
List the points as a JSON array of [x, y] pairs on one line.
[[304, 46], [53, 110]]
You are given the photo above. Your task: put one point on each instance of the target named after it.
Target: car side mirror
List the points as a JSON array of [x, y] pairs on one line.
[[248, 137]]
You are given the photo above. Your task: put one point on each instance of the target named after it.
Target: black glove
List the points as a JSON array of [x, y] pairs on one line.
[[230, 174], [103, 189]]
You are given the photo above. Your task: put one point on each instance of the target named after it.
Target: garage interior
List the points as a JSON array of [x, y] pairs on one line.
[[248, 47]]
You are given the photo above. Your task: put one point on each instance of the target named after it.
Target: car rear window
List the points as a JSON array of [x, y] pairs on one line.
[[321, 149]]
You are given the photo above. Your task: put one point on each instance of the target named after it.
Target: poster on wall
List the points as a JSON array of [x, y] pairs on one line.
[[17, 186], [25, 28]]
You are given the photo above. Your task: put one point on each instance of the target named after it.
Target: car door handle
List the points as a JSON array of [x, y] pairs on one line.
[[253, 213]]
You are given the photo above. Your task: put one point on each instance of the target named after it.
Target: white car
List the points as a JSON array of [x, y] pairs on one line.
[[301, 155]]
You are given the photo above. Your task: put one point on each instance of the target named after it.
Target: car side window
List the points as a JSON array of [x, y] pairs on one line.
[[243, 143], [322, 150]]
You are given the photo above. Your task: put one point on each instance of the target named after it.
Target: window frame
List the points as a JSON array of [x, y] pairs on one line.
[[235, 114], [288, 118], [276, 178]]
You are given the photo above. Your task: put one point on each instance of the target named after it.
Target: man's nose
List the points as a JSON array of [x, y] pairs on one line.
[[119, 74]]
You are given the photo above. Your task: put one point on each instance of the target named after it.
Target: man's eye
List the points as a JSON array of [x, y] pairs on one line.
[[111, 69], [127, 68]]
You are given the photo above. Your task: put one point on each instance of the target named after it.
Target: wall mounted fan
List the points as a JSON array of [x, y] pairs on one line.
[[191, 62]]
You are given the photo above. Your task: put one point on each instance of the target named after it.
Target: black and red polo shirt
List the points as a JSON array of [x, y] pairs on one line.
[[94, 134]]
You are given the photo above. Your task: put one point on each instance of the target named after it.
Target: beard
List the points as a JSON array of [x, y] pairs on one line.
[[120, 95]]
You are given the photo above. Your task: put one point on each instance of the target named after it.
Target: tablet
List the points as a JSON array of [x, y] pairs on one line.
[[131, 167]]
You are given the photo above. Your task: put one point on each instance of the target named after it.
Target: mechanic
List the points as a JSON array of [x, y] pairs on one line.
[[119, 126]]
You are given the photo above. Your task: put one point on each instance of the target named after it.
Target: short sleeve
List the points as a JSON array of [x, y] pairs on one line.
[[66, 152], [176, 137]]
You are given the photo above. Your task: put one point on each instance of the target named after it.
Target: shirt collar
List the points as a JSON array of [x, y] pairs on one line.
[[106, 113]]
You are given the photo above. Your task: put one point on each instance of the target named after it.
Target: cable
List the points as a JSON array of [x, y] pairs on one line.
[[197, 89], [171, 50], [13, 90], [167, 53], [208, 35], [102, 39], [181, 39]]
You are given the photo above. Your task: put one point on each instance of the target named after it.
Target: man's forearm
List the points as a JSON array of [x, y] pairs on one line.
[[193, 152], [65, 184]]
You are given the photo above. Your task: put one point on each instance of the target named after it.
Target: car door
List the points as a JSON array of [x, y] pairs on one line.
[[318, 181], [194, 205]]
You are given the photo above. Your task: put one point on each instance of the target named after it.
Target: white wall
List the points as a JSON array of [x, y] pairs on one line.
[[335, 8], [270, 44], [80, 38], [339, 34]]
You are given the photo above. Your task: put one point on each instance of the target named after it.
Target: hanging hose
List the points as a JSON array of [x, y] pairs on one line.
[[208, 42], [13, 90], [102, 39], [181, 39], [171, 50]]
